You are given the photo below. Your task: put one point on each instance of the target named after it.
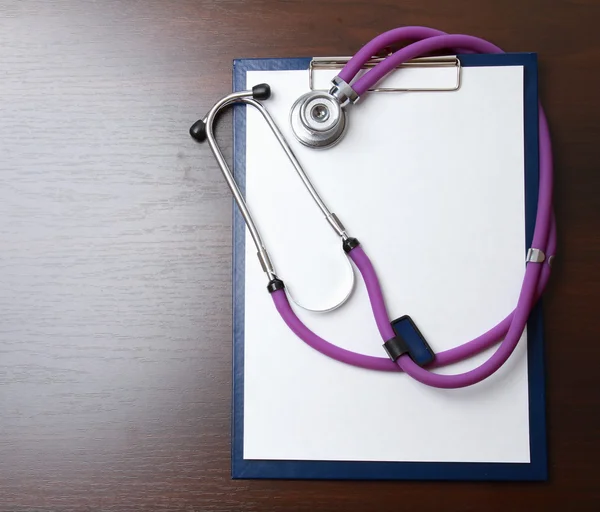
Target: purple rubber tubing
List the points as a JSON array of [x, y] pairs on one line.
[[536, 277]]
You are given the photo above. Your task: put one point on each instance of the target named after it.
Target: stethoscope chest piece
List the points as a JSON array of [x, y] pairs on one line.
[[318, 120]]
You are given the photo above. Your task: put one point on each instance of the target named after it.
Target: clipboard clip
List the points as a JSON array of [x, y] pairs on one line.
[[339, 62]]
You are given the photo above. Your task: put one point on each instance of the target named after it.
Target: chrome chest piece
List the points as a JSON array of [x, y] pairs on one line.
[[318, 118]]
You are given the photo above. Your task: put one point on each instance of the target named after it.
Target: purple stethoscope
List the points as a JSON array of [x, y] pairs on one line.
[[318, 120]]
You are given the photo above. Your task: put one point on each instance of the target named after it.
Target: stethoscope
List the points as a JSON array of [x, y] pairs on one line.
[[319, 120]]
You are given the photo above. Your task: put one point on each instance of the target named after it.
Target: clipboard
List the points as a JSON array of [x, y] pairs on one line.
[[533, 466]]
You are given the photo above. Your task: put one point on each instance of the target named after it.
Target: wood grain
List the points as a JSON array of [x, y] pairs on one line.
[[115, 229]]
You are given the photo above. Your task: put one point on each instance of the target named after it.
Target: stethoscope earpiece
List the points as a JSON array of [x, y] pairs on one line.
[[261, 92], [198, 131]]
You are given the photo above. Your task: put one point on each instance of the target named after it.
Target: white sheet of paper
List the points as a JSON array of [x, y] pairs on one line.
[[432, 184]]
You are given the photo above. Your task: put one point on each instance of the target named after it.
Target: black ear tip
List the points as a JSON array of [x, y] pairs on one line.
[[261, 92], [198, 131]]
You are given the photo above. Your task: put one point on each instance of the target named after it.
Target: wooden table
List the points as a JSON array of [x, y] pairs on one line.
[[115, 261]]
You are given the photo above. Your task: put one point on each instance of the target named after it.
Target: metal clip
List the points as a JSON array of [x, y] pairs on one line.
[[339, 62], [535, 256]]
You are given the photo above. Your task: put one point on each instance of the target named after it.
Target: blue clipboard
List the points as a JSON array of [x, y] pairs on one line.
[[536, 469]]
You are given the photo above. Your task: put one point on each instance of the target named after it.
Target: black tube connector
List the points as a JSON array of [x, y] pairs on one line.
[[349, 244], [396, 347], [274, 285]]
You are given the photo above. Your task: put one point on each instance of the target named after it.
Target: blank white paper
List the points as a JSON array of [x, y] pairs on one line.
[[432, 184]]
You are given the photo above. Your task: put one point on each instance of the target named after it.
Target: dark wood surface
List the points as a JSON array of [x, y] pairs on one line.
[[115, 229]]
